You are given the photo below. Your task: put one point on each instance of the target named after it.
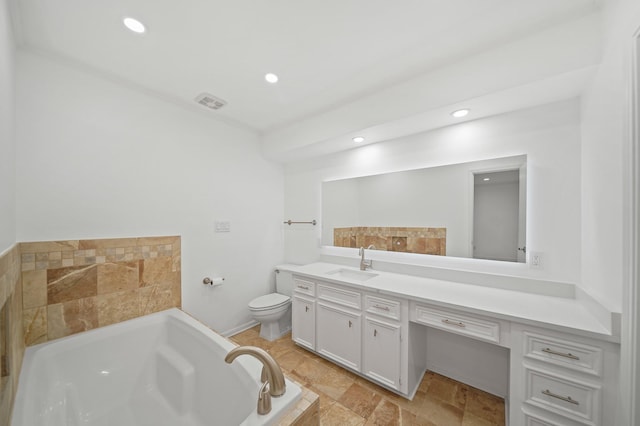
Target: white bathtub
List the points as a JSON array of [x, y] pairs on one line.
[[164, 369]]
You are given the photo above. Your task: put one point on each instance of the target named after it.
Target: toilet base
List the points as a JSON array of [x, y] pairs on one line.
[[275, 329]]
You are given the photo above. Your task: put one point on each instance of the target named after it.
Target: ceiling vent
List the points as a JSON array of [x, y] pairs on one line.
[[210, 101]]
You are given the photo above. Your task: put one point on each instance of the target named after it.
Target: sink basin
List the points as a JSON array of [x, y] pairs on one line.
[[351, 274]]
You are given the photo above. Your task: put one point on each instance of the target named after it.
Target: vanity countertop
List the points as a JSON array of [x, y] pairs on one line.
[[569, 314]]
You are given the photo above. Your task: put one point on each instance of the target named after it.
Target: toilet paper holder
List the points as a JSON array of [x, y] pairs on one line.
[[213, 282]]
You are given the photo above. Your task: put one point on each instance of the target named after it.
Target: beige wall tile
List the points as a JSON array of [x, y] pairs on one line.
[[67, 284], [157, 271], [71, 317], [117, 277], [34, 287], [118, 307], [34, 324]]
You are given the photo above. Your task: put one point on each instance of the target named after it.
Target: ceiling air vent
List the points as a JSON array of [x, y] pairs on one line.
[[210, 101]]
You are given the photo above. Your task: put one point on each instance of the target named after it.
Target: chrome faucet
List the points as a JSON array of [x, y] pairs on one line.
[[364, 264], [271, 371]]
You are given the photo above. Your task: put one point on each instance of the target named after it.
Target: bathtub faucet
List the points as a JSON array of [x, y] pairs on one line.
[[270, 367]]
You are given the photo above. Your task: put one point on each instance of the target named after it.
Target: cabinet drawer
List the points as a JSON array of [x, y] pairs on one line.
[[384, 307], [563, 353], [459, 323], [562, 395], [304, 287], [340, 296]]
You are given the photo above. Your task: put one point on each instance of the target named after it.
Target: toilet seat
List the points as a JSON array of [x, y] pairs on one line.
[[269, 301]]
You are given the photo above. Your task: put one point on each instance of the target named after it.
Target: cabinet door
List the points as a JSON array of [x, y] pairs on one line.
[[382, 352], [339, 336], [303, 322]]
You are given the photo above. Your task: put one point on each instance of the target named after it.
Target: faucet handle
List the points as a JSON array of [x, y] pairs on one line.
[[264, 399]]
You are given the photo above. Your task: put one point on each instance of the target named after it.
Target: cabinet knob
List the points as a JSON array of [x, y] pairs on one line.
[[375, 332], [350, 324], [306, 309]]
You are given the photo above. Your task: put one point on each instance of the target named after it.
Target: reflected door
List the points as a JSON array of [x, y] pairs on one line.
[[496, 219]]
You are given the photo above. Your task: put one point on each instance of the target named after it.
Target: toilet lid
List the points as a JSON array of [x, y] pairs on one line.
[[269, 301]]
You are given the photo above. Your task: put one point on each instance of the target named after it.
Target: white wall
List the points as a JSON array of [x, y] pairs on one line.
[[548, 135], [606, 183], [96, 159], [7, 137], [604, 137]]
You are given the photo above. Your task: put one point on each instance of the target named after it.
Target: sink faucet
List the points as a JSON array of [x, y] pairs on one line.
[[270, 368], [364, 264]]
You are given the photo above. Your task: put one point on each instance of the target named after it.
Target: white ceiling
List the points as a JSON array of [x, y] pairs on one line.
[[328, 54]]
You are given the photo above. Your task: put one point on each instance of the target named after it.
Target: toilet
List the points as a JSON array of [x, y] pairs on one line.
[[273, 311]]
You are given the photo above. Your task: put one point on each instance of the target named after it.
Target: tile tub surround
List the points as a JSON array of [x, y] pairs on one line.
[[11, 309], [409, 240], [77, 285], [348, 399]]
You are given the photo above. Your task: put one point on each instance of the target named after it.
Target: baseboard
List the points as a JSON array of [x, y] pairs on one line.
[[240, 328]]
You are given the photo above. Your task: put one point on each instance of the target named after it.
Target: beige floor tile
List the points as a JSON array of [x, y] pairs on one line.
[[360, 400], [338, 415], [386, 413], [486, 406]]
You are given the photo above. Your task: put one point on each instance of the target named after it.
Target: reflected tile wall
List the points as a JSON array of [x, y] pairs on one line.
[[404, 239], [77, 285], [10, 329]]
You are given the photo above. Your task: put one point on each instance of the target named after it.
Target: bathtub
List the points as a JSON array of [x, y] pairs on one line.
[[163, 369]]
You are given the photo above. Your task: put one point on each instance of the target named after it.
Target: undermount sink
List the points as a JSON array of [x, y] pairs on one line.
[[351, 274]]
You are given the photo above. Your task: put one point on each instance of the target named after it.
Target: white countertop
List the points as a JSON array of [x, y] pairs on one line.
[[565, 314]]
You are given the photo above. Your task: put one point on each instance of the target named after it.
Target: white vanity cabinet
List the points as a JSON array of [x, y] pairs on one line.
[[303, 314], [357, 329], [382, 340], [339, 325], [562, 379]]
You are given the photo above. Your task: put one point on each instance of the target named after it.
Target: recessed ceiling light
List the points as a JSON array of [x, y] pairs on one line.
[[271, 78], [486, 179], [460, 113], [358, 139], [134, 25]]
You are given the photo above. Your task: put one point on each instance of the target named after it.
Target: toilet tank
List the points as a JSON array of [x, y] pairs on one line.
[[284, 280]]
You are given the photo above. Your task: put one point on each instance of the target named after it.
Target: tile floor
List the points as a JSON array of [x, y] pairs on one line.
[[347, 399]]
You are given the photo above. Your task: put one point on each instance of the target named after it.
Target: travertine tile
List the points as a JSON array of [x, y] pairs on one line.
[[360, 400], [71, 317], [158, 298], [67, 284], [117, 277], [118, 307], [339, 415], [386, 413], [34, 325], [486, 406], [34, 288], [48, 246], [157, 271]]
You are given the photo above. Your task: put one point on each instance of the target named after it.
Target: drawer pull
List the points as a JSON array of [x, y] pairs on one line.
[[306, 309], [304, 287], [350, 324], [457, 324], [375, 332], [563, 398], [566, 355], [382, 308]]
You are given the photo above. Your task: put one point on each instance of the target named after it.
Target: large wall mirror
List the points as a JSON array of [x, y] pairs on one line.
[[475, 209]]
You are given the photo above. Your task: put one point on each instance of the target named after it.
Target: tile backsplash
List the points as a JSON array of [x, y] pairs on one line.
[[12, 347], [405, 239], [77, 285]]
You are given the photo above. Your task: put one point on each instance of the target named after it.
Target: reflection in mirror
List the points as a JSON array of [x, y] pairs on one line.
[[432, 210]]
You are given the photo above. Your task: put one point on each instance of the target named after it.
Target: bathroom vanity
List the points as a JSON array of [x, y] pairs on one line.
[[550, 357]]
